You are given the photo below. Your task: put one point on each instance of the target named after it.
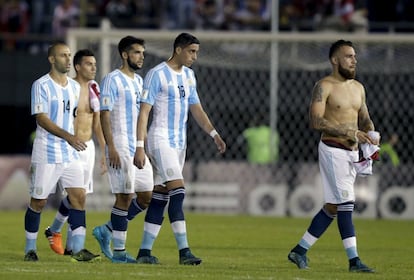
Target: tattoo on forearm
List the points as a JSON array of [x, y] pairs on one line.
[[317, 93], [325, 126], [365, 122]]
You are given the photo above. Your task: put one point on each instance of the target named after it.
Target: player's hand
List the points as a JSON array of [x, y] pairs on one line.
[[221, 145], [76, 143], [114, 160], [364, 137], [139, 158], [104, 168]]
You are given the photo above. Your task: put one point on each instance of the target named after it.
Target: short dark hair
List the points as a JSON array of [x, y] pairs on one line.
[[80, 54], [337, 45], [125, 44], [185, 39], [52, 47]]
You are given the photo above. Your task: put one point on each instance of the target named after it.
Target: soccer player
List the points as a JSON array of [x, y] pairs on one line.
[[338, 110], [87, 123], [55, 157], [120, 102], [171, 89]]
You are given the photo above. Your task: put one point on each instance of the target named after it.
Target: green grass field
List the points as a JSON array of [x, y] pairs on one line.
[[232, 247]]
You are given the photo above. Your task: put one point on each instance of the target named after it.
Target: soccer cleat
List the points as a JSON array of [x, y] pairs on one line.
[[85, 256], [301, 261], [148, 260], [123, 257], [31, 256], [187, 258], [55, 241], [360, 267], [103, 235]]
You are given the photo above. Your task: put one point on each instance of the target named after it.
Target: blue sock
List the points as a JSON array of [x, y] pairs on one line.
[[175, 208], [134, 209], [176, 216], [61, 215], [155, 211], [31, 226], [347, 229], [69, 242], [320, 222], [77, 221], [153, 221], [119, 228]]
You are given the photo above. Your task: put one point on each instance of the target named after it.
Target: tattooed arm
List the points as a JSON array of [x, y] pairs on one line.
[[365, 123], [364, 120]]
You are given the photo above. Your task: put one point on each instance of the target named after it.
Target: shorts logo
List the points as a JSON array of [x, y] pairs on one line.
[[170, 172], [345, 193], [128, 186], [38, 191]]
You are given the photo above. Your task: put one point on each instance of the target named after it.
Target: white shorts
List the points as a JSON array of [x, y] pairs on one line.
[[144, 178], [87, 157], [338, 173], [130, 179], [167, 163], [44, 177]]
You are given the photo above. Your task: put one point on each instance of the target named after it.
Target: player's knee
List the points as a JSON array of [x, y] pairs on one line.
[[77, 198], [123, 200], [175, 184], [38, 204], [144, 199], [160, 189], [332, 209]]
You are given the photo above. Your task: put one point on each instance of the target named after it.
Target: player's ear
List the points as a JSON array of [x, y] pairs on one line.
[[51, 59], [178, 50], [124, 55]]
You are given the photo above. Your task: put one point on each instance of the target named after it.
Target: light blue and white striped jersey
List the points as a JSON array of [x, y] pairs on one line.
[[171, 94], [59, 103], [121, 95]]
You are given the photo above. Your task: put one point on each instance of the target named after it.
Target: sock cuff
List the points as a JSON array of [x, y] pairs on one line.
[[160, 196], [177, 191], [119, 212], [346, 207]]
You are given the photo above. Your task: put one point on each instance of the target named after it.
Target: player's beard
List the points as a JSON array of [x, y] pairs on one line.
[[133, 66], [347, 74], [61, 68]]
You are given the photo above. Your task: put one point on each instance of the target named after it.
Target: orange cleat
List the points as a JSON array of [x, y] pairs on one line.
[[55, 241]]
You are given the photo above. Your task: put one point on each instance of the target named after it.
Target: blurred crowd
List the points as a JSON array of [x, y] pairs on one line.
[[52, 18]]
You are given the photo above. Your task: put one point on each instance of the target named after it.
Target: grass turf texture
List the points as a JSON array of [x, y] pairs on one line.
[[232, 247]]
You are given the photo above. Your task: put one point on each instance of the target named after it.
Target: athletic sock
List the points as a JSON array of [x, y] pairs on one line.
[[134, 209], [320, 222], [119, 228], [77, 221], [69, 242], [176, 216], [61, 215], [347, 230], [153, 220], [31, 226]]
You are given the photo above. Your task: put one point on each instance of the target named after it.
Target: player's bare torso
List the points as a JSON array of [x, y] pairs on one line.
[[84, 117], [343, 103]]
